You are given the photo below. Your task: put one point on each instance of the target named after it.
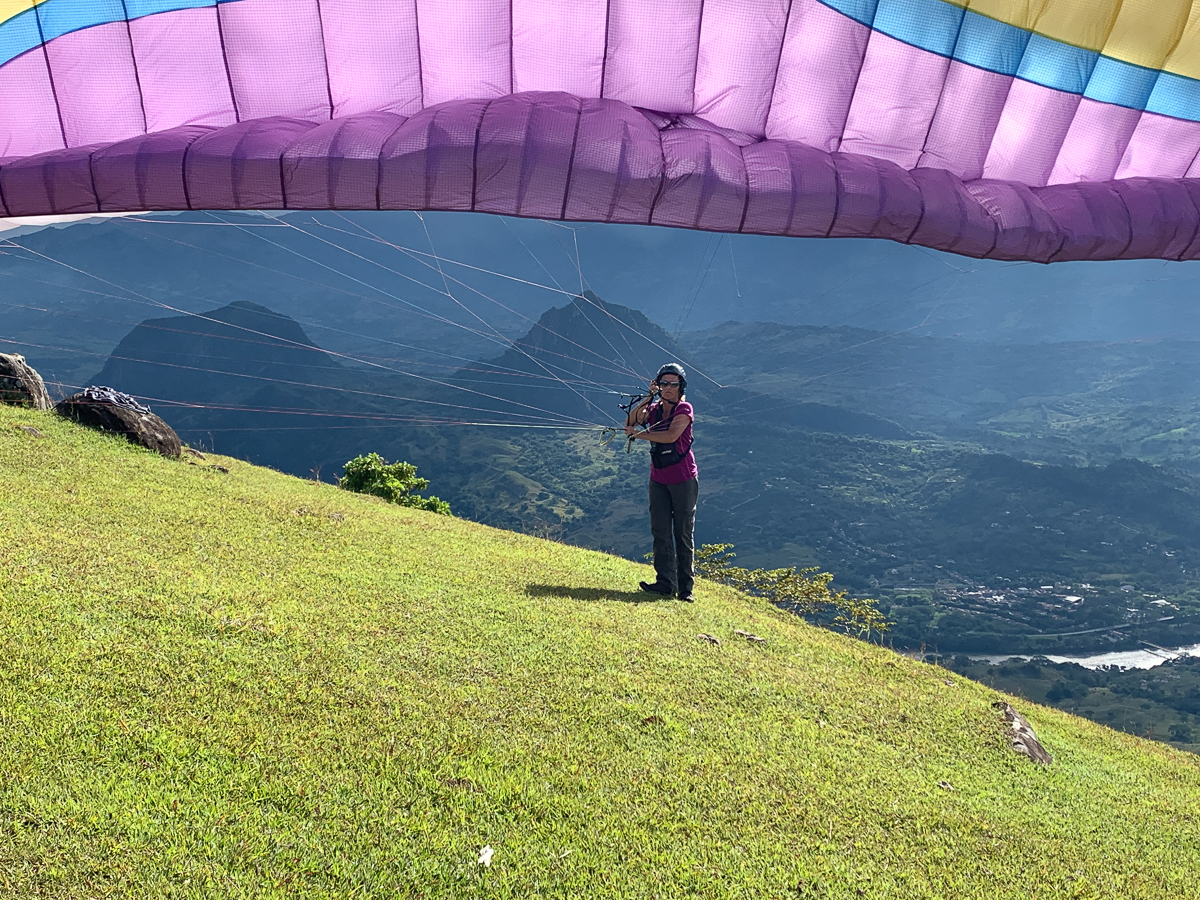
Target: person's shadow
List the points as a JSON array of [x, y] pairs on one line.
[[593, 595]]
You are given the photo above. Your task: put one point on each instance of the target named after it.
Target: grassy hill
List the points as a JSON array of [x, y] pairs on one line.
[[956, 544], [242, 684]]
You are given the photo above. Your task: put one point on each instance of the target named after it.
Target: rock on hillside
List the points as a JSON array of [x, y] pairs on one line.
[[20, 385], [139, 426]]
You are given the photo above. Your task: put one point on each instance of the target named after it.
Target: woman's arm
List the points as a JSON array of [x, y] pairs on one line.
[[679, 425]]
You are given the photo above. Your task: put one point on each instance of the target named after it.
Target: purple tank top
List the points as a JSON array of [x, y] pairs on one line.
[[685, 469]]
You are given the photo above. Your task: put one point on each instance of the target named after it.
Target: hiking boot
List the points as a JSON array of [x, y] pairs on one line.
[[655, 588]]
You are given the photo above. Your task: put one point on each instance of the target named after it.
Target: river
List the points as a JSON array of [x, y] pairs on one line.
[[1126, 659]]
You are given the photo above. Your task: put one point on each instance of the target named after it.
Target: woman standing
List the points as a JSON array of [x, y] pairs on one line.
[[667, 421]]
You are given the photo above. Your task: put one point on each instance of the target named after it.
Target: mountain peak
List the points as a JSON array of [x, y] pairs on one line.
[[213, 353], [576, 359], [248, 306]]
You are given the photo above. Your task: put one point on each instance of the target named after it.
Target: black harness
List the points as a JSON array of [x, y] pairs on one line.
[[664, 454]]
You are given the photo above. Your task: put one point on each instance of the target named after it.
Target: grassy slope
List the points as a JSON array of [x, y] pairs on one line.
[[248, 685]]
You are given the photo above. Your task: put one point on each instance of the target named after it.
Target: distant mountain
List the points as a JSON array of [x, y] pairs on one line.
[[755, 410], [250, 381], [577, 360], [1062, 402], [219, 354], [70, 299], [426, 293]]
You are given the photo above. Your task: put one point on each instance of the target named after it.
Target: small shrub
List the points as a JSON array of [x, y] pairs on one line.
[[805, 592], [395, 482], [711, 560], [1059, 691], [1181, 733]]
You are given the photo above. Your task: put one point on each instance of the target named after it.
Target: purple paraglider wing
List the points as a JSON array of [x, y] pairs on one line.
[[1063, 130]]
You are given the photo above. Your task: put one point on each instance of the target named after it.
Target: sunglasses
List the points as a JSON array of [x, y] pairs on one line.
[[668, 383]]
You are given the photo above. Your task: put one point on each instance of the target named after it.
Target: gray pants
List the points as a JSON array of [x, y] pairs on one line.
[[673, 515]]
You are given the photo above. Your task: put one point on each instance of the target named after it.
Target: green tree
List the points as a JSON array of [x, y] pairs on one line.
[[395, 482], [1059, 691], [1181, 733], [805, 592]]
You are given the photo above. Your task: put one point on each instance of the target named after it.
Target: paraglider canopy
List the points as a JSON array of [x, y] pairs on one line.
[[1066, 129]]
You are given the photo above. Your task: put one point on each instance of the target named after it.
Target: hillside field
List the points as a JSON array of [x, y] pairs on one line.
[[243, 684]]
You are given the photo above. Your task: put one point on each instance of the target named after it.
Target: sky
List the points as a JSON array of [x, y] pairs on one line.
[[886, 286], [683, 280]]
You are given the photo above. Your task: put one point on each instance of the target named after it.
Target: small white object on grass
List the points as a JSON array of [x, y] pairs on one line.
[[485, 855]]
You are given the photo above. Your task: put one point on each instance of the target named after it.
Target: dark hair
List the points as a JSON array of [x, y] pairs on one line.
[[674, 369]]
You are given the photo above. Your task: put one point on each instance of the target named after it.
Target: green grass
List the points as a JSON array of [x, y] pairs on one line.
[[247, 685]]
